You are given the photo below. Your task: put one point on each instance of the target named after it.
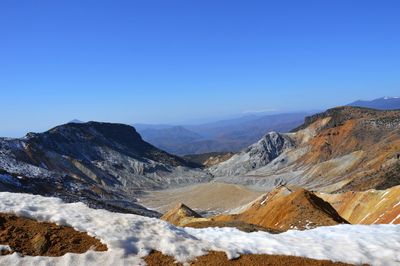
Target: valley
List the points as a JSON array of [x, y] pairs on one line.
[[337, 172], [206, 198], [200, 133]]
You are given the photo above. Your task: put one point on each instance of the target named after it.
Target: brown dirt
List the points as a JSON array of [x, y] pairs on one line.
[[213, 197], [245, 227], [301, 210], [33, 238], [280, 210], [372, 135], [178, 215], [220, 259], [183, 216], [367, 207]]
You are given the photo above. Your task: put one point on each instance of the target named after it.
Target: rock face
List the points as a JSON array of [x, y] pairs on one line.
[[255, 156], [102, 164], [284, 209], [342, 149]]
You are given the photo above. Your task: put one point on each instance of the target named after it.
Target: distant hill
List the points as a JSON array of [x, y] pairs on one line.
[[384, 103], [170, 138], [222, 136], [76, 121]]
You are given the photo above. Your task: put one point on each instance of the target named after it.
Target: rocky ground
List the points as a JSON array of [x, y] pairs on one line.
[[220, 259]]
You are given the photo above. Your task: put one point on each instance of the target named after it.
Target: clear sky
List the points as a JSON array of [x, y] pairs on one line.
[[172, 61]]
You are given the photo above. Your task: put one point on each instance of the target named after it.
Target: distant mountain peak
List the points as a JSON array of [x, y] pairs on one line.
[[75, 121], [383, 103]]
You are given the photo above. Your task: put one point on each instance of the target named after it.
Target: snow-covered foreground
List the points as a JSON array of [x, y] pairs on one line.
[[131, 237]]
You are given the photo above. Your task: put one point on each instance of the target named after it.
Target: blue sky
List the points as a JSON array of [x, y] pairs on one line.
[[173, 61]]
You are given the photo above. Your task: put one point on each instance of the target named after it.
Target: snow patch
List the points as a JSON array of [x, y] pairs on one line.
[[4, 248]]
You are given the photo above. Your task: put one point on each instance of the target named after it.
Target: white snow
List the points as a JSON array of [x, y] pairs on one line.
[[4, 248], [131, 237]]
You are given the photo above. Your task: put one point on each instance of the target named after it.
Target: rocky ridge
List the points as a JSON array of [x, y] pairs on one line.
[[102, 164], [342, 149]]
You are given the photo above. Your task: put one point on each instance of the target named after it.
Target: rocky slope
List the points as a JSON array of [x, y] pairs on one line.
[[181, 215], [209, 159], [255, 156], [342, 149], [103, 164], [281, 209], [367, 207]]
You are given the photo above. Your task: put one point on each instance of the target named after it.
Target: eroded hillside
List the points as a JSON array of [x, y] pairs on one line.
[[342, 149]]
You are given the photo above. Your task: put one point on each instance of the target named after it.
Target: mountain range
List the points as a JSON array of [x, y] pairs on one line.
[[223, 136], [234, 135], [384, 103], [335, 174], [344, 149]]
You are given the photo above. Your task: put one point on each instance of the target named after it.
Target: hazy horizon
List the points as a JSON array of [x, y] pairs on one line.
[[194, 121]]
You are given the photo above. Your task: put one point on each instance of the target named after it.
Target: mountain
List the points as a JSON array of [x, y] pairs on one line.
[[279, 210], [102, 164], [249, 126], [171, 139], [255, 156], [76, 121], [384, 103], [230, 135], [339, 150], [285, 209]]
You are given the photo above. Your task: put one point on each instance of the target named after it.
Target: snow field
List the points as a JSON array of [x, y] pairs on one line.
[[131, 237]]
